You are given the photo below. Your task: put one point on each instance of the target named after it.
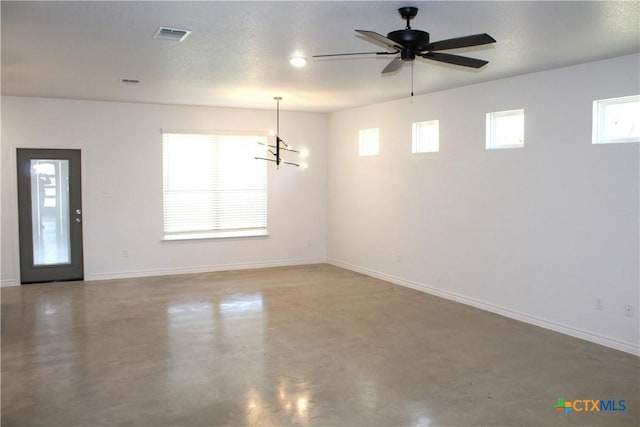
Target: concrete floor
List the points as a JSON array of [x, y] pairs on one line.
[[311, 345]]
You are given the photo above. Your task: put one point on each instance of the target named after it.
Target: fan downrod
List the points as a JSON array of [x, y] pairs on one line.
[[411, 40], [408, 13]]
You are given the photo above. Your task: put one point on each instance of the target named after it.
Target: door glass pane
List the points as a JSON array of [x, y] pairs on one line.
[[50, 211]]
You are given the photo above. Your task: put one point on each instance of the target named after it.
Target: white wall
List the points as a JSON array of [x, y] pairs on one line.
[[122, 185], [535, 233]]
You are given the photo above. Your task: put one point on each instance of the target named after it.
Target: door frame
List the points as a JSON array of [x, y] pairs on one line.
[[76, 156]]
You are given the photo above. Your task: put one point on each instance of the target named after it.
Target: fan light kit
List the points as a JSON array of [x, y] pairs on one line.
[[280, 145], [409, 43]]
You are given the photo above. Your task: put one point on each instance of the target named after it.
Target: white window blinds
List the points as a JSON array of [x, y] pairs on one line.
[[213, 186]]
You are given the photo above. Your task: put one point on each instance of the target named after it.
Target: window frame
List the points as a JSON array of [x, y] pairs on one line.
[[599, 123], [365, 145], [491, 129], [416, 131]]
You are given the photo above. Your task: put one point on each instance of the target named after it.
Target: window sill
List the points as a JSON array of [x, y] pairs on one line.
[[616, 141], [505, 147], [215, 236]]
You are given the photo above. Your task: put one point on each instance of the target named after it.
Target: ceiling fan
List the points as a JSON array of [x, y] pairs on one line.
[[410, 43]]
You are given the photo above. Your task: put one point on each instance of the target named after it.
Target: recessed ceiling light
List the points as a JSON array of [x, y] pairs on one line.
[[298, 61]]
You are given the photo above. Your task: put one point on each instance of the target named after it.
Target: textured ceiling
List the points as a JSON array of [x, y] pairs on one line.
[[237, 54]]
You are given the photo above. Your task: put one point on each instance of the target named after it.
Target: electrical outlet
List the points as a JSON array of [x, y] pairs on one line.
[[599, 303], [628, 310]]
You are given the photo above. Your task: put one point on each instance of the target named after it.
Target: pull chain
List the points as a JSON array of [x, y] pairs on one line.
[[411, 78]]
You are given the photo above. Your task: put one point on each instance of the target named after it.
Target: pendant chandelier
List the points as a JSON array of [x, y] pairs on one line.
[[280, 146]]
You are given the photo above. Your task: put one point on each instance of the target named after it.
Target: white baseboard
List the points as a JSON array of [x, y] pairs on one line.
[[8, 282], [533, 320], [201, 269]]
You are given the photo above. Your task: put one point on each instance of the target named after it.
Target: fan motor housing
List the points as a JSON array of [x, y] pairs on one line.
[[411, 40]]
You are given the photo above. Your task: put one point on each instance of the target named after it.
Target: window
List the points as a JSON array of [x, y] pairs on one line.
[[368, 142], [505, 129], [213, 186], [425, 137], [616, 120]]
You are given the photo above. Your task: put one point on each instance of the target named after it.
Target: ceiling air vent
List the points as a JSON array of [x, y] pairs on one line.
[[174, 34]]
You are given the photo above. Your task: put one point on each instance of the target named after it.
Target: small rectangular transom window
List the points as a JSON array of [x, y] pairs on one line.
[[616, 120], [368, 142], [505, 129], [425, 137]]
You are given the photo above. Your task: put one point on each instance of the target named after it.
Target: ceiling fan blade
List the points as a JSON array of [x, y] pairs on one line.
[[354, 53], [380, 39], [392, 66], [465, 41], [465, 61]]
